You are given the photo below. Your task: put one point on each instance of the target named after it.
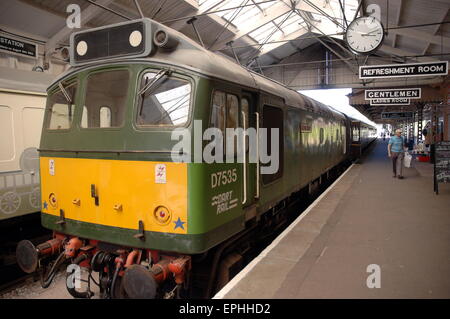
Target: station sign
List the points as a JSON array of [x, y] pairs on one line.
[[18, 47], [403, 70], [396, 115], [407, 93], [390, 101]]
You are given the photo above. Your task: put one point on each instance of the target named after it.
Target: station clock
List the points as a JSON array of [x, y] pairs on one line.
[[364, 35]]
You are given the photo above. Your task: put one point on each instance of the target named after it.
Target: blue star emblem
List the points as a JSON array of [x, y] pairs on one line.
[[45, 205], [179, 223]]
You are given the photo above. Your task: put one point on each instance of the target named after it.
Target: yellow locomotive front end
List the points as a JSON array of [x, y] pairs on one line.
[[113, 197]]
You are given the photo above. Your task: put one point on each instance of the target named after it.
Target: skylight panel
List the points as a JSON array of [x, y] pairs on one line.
[[269, 29], [237, 15], [291, 24], [206, 5]]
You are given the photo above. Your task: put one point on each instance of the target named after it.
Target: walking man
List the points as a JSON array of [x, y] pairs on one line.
[[396, 148]]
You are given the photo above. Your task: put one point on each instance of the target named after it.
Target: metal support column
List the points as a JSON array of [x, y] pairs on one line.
[[419, 122], [411, 128], [405, 129]]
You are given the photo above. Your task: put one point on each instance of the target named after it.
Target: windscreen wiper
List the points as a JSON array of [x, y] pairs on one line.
[[150, 84], [64, 92]]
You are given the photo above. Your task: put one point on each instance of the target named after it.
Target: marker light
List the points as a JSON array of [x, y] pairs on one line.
[[82, 48], [52, 200], [162, 215], [135, 38]]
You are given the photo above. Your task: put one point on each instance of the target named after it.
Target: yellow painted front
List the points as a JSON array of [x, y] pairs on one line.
[[129, 185]]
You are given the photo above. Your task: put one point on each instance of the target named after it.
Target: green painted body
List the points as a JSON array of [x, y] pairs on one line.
[[306, 157]]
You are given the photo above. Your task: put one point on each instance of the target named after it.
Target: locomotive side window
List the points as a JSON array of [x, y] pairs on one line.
[[355, 133], [273, 118], [232, 111], [61, 108], [166, 101], [218, 111], [225, 114], [232, 120], [109, 90]]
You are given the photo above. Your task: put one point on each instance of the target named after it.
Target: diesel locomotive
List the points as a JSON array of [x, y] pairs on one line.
[[115, 195]]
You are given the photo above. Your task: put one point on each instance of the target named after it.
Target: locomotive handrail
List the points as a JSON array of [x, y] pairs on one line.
[[244, 147], [257, 155], [111, 151]]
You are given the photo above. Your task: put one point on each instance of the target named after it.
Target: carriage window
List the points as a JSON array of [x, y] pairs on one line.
[[61, 108], [166, 102], [7, 133], [105, 102], [355, 133]]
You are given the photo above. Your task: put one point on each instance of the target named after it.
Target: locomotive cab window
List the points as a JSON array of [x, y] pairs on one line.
[[105, 102], [164, 100], [61, 106]]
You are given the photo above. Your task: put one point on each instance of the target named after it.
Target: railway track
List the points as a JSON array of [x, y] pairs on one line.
[[12, 231]]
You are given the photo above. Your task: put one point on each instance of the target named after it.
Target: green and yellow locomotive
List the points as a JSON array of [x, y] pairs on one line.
[[125, 201]]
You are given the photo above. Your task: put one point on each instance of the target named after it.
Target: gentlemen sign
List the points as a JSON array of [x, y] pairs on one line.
[[18, 47], [396, 115], [414, 93], [390, 101], [403, 70]]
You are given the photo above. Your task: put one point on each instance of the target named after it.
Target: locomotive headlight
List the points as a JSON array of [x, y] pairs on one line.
[[135, 38], [52, 200], [162, 215], [82, 48]]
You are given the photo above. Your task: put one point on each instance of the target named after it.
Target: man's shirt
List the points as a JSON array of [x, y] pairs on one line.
[[396, 144]]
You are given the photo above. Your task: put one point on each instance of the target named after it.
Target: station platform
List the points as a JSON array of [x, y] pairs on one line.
[[366, 217]]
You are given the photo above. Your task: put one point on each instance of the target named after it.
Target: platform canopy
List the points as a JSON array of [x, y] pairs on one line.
[[261, 32]]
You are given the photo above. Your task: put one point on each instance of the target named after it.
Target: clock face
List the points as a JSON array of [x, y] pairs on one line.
[[364, 34]]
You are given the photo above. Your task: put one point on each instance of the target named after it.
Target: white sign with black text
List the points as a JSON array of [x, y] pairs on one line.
[[390, 101], [403, 70], [405, 93]]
